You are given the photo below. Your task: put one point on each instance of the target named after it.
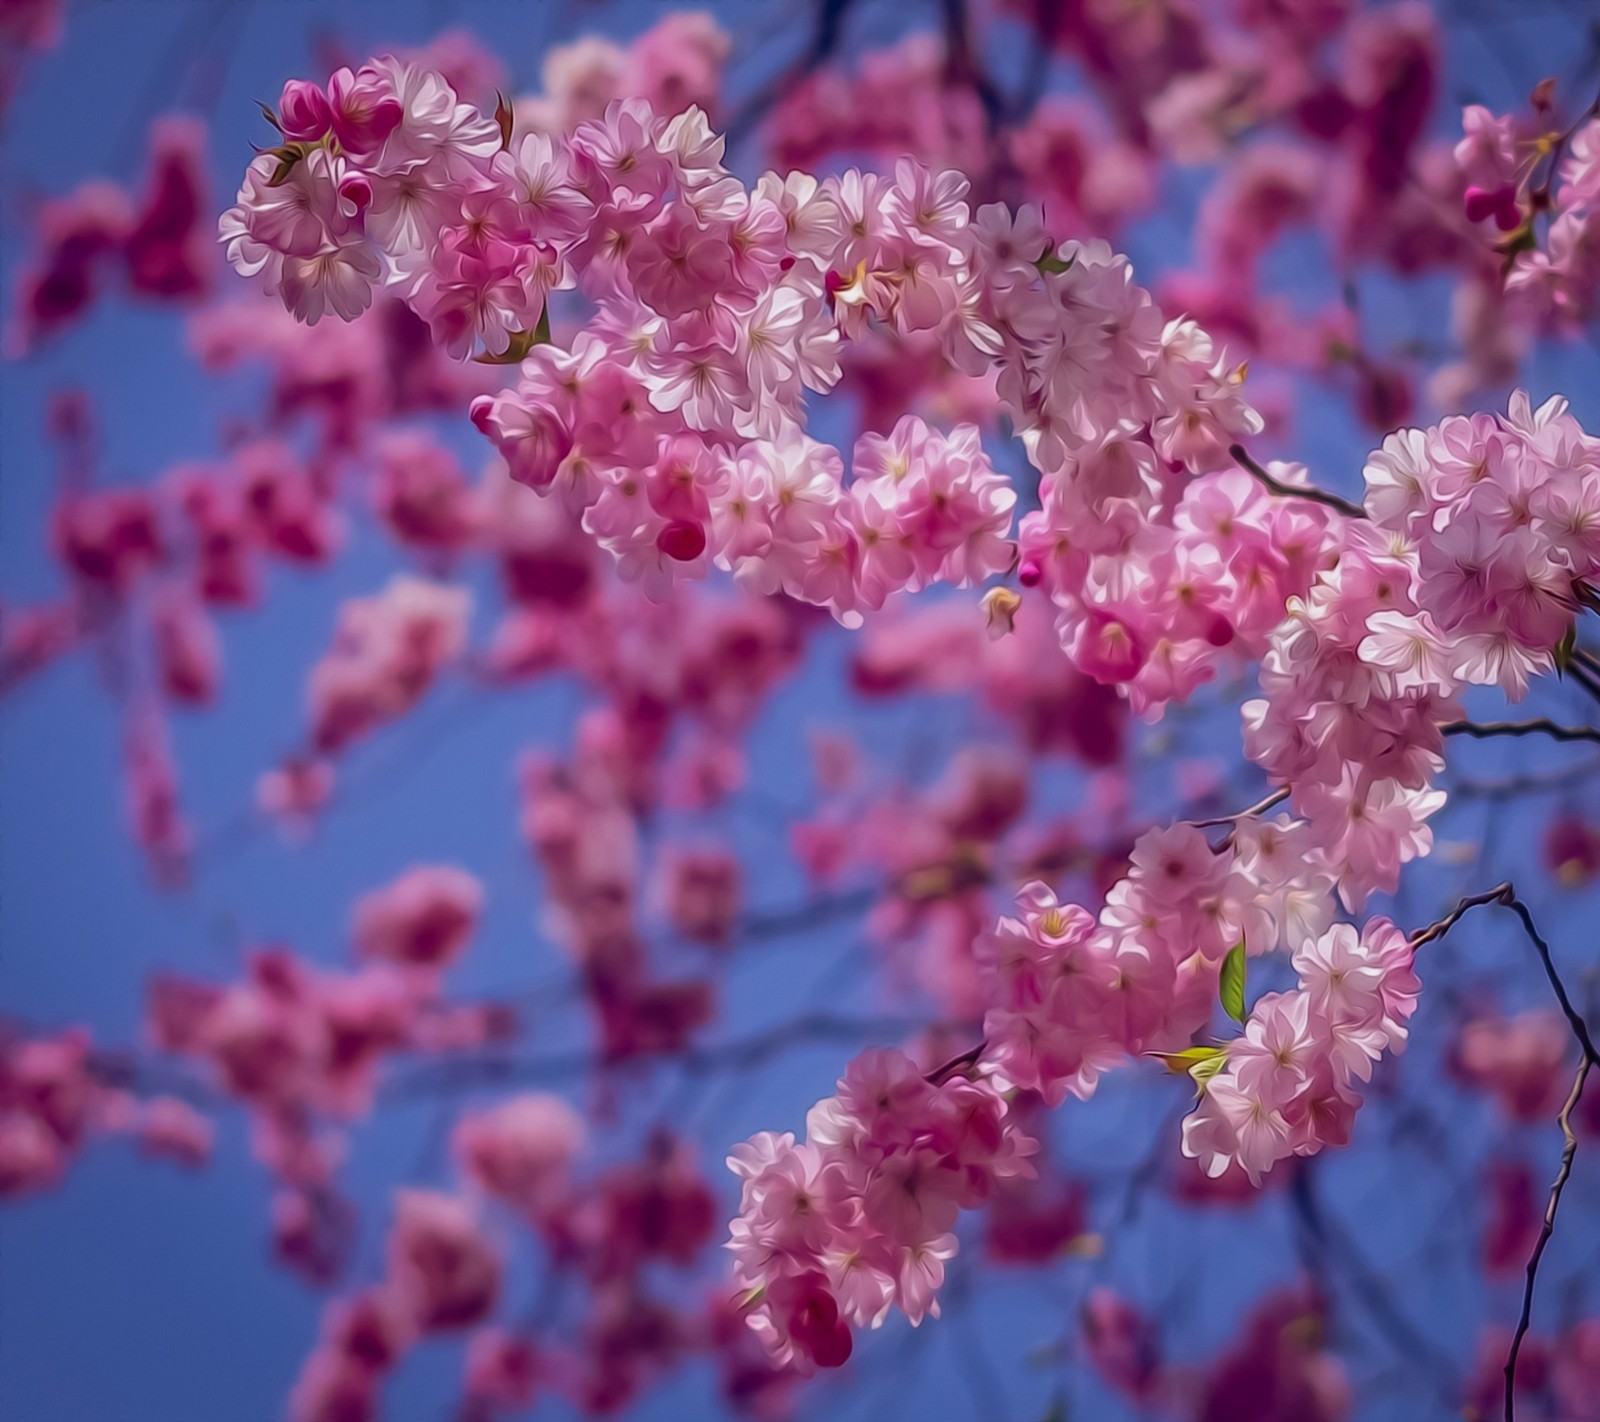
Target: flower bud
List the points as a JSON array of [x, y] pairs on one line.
[[303, 112], [682, 540]]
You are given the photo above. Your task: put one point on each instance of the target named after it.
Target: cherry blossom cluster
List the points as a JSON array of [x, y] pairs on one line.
[[55, 1096], [1503, 514], [904, 99], [387, 652], [156, 244], [1287, 1086], [1554, 274], [1471, 568], [1155, 587], [674, 420], [856, 1220], [445, 1266], [1386, 634], [301, 1047], [1071, 996], [1357, 744]]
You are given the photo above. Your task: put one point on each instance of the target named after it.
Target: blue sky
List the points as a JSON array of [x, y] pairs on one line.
[[136, 1292]]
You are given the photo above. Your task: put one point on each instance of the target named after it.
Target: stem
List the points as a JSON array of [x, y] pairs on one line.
[[1242, 458], [1568, 1152], [1506, 896], [1543, 726], [941, 1074], [1277, 797], [1584, 677]]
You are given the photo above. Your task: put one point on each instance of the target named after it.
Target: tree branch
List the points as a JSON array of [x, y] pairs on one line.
[[1569, 1151], [1272, 801], [1506, 896], [741, 1053], [1241, 457], [1542, 726], [825, 39]]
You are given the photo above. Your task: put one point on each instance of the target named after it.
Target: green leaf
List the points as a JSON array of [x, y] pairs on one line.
[[1230, 986], [1201, 1063], [1189, 1058], [521, 343], [1050, 262], [503, 119], [288, 155], [1565, 648]]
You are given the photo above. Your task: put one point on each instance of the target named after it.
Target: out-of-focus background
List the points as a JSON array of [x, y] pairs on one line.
[[136, 1291]]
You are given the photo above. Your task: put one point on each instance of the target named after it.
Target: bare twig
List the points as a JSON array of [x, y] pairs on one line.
[[941, 1074], [1542, 726], [816, 913], [1584, 678], [1512, 786], [1241, 457], [741, 1053], [1505, 896], [825, 39], [1569, 1152], [1276, 798], [1328, 1244]]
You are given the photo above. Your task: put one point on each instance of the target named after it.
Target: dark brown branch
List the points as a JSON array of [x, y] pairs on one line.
[[1542, 726], [824, 41], [1569, 1152], [969, 1058], [1276, 798], [1513, 786], [741, 1053], [817, 913], [962, 65], [1241, 457], [1328, 1244], [1584, 678], [1506, 896]]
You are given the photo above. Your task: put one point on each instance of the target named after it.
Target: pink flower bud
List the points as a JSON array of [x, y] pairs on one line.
[[303, 112], [1499, 203], [682, 540], [365, 110], [356, 190]]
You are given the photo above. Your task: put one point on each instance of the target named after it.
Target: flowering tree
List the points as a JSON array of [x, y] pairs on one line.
[[1144, 738]]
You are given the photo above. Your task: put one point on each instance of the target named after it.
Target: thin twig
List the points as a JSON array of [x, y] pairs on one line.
[[1584, 678], [941, 1074], [1241, 457], [742, 1053], [816, 913], [1506, 896], [1512, 786], [1542, 726], [825, 39], [1276, 798], [1332, 1244], [1569, 1152]]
